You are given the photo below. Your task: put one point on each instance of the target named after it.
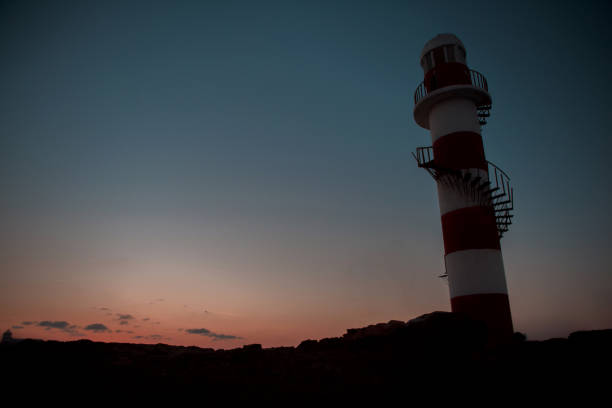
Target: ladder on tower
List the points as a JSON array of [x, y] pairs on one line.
[[483, 111]]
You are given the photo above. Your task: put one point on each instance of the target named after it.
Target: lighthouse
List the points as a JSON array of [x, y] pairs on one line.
[[474, 195]]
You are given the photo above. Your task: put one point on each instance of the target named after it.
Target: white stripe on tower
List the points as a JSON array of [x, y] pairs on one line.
[[453, 115], [475, 271]]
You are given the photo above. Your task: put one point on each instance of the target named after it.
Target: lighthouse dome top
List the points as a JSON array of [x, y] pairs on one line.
[[440, 40]]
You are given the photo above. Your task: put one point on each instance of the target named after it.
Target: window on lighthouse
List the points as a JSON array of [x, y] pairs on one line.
[[427, 62], [438, 55], [460, 54], [450, 53]]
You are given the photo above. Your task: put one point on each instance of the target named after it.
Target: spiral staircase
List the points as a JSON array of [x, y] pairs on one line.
[[491, 190]]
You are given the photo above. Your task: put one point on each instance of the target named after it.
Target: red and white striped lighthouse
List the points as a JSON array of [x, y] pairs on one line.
[[475, 197]]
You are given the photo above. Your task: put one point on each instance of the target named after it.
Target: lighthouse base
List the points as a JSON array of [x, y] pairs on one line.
[[493, 309]]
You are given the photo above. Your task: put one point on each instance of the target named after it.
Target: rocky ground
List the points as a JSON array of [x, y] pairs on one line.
[[439, 350]]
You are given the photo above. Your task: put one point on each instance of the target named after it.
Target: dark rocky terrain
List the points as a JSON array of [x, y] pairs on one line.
[[439, 350]]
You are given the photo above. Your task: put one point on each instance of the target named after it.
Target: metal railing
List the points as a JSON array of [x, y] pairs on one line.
[[499, 181], [501, 197], [425, 159], [479, 80], [423, 155], [476, 78]]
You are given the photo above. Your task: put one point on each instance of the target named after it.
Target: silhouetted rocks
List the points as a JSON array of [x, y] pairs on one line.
[[252, 347], [308, 345], [594, 337], [380, 329], [438, 349]]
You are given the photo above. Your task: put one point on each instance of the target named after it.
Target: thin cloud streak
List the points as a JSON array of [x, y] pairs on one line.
[[215, 336], [97, 328]]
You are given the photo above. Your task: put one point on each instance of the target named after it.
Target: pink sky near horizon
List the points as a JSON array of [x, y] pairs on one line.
[[252, 318], [272, 314]]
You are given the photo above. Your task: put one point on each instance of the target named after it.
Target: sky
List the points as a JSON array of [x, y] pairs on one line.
[[220, 173]]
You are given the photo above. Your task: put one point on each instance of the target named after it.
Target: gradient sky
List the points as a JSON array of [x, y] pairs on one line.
[[245, 167]]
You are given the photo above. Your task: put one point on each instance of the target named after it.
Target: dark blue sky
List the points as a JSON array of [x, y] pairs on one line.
[[268, 144]]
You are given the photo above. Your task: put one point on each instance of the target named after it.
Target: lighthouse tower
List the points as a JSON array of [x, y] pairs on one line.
[[475, 197]]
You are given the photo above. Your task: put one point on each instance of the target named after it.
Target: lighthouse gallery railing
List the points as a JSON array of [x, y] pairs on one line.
[[476, 78]]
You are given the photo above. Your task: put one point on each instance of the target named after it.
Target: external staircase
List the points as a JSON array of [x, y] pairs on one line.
[[491, 190]]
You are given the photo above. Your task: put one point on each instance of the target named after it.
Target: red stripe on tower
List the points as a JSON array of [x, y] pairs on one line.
[[452, 103], [460, 150], [493, 308], [469, 228]]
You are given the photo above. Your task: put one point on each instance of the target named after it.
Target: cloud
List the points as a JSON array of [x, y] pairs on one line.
[[104, 309], [124, 318], [62, 325], [204, 332], [146, 319], [97, 327], [17, 327], [225, 337], [28, 323], [215, 336]]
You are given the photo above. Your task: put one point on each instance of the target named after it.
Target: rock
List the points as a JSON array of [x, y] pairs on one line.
[[380, 329], [592, 336], [448, 330], [252, 347], [308, 345]]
